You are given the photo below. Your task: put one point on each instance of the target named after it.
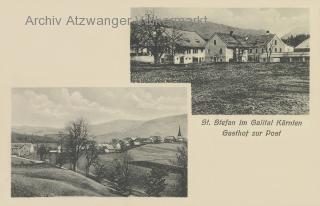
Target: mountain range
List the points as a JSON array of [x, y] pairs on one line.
[[104, 132], [206, 29]]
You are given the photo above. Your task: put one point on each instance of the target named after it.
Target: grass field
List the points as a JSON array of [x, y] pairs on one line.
[[44, 180], [236, 88]]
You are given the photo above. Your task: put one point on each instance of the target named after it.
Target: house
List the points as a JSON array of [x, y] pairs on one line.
[[155, 139], [189, 48], [108, 148], [229, 47], [147, 140], [223, 47], [169, 139], [22, 149]]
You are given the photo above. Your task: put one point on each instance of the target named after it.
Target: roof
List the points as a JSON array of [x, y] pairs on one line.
[[261, 40], [19, 145], [190, 39], [233, 40], [304, 45], [108, 146]]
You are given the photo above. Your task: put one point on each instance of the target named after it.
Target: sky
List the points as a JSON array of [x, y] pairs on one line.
[[55, 107], [279, 21]]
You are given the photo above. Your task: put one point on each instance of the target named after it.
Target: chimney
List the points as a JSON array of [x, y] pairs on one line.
[[231, 32], [268, 32]]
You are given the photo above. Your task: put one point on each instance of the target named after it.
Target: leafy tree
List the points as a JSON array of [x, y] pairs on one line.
[[152, 33], [99, 170], [77, 139], [42, 151], [91, 154], [182, 161], [155, 182], [121, 174]]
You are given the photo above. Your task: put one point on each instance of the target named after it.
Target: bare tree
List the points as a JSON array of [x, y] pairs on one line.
[[269, 49], [77, 139], [91, 154]]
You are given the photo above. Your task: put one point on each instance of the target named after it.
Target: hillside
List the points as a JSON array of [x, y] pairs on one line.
[[114, 126], [39, 131], [44, 181], [16, 137], [205, 30], [161, 126]]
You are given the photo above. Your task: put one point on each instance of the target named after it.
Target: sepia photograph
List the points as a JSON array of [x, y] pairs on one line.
[[109, 142], [239, 61]]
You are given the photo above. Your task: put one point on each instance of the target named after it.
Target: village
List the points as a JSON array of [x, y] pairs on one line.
[[191, 47], [117, 145]]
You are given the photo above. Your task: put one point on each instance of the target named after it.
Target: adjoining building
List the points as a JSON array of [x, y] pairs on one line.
[[22, 149], [228, 47], [188, 48]]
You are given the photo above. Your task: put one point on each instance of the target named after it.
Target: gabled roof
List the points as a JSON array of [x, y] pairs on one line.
[[233, 40], [304, 45], [187, 38], [261, 40]]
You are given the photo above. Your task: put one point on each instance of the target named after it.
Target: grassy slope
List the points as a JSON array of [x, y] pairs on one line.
[[161, 153], [246, 88], [42, 181]]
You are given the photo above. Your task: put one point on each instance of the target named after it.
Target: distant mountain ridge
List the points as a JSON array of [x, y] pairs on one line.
[[206, 29], [104, 132]]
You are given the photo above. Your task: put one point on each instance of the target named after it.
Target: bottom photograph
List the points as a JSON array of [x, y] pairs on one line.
[[93, 141]]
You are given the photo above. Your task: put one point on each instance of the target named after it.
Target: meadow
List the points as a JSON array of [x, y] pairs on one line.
[[236, 88], [43, 180]]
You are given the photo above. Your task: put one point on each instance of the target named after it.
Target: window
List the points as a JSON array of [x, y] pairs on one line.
[[201, 50], [188, 51], [256, 50], [262, 50], [275, 42], [195, 51], [250, 51], [275, 50], [220, 51], [214, 42], [280, 49]]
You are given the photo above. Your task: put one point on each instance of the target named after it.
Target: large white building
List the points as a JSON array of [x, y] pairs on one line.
[[228, 47], [189, 48]]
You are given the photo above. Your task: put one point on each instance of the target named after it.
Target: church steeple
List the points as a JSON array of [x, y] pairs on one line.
[[179, 132]]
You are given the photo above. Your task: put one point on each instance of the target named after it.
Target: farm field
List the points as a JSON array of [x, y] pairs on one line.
[[236, 88], [41, 180]]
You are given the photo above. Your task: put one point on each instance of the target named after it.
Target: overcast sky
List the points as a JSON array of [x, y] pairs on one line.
[[54, 107], [278, 21]]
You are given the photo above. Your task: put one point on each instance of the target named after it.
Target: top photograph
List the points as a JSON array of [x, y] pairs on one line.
[[239, 61]]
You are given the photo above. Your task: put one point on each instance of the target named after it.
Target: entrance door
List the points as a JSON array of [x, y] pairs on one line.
[[181, 60]]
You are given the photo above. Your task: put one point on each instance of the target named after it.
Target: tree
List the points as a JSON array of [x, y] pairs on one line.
[[121, 174], [174, 35], [182, 161], [153, 34], [99, 170], [42, 151], [155, 182], [91, 154], [77, 139], [269, 49]]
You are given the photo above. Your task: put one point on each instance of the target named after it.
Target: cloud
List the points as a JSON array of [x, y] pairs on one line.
[[57, 106]]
